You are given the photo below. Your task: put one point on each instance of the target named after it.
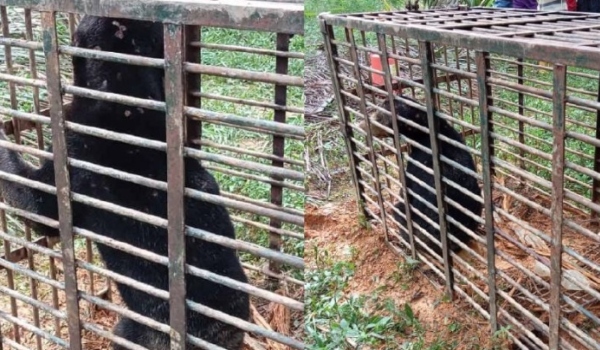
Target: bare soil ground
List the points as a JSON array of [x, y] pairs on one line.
[[336, 227]]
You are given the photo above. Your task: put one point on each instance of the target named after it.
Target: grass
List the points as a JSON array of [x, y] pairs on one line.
[[336, 320], [339, 318], [250, 140]]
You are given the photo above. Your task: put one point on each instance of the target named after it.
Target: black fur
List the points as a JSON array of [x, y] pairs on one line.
[[452, 152], [146, 39], [412, 5]]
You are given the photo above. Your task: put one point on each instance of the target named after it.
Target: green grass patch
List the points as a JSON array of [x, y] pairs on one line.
[[336, 319]]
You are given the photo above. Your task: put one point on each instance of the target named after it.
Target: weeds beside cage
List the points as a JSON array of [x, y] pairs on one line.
[[241, 93], [522, 89]]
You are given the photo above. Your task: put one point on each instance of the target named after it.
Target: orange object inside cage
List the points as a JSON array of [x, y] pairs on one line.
[[376, 64]]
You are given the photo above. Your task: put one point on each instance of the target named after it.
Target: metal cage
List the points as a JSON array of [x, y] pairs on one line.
[[59, 295], [521, 88]]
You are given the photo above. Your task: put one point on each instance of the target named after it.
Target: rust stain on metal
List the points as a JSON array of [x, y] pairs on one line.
[[174, 80], [482, 64], [558, 192], [59, 148], [254, 15]]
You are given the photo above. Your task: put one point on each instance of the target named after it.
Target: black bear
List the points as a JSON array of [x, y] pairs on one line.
[[145, 39], [458, 155]]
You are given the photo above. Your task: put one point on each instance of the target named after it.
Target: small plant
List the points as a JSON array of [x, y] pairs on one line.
[[336, 319], [405, 270], [454, 327], [500, 337]]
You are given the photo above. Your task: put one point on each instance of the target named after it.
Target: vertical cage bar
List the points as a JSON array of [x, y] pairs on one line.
[[346, 129], [88, 244], [399, 158], [13, 103], [281, 67], [72, 24], [483, 65], [9, 70], [426, 52], [34, 75], [63, 186], [174, 89], [521, 97], [366, 56], [556, 210], [53, 273], [33, 287], [595, 182], [461, 105], [33, 283], [363, 109], [193, 82]]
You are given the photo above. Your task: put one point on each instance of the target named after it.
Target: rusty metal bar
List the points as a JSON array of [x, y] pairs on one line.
[[596, 182], [426, 52], [561, 52], [33, 287], [521, 102], [247, 102], [174, 89], [252, 15], [263, 179], [235, 48], [482, 63], [163, 223], [369, 139], [558, 164], [62, 176], [244, 325], [346, 128], [40, 144], [257, 154], [35, 330], [238, 121], [281, 67], [190, 67], [205, 310], [263, 77], [150, 256], [236, 202], [193, 82], [13, 102], [396, 135]]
